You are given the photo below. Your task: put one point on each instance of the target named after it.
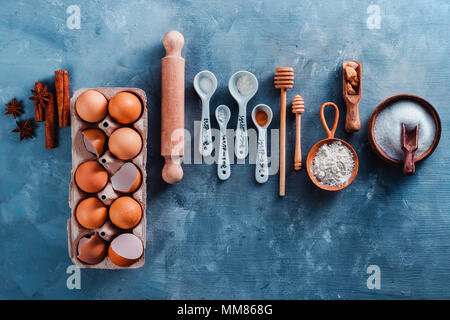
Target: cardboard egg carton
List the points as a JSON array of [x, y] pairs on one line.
[[79, 155]]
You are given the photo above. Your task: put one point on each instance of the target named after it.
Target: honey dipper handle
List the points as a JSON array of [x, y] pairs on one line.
[[283, 142], [352, 122], [330, 133], [298, 139]]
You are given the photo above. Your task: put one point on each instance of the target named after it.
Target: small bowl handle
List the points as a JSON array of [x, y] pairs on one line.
[[330, 133]]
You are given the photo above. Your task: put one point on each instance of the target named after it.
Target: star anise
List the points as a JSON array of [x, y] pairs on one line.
[[14, 108], [40, 95], [25, 128]]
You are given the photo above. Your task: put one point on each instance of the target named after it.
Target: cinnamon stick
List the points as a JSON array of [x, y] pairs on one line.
[[63, 97], [66, 106], [50, 123], [38, 107]]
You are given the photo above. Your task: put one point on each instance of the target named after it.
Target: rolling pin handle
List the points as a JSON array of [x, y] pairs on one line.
[[172, 171], [173, 42]]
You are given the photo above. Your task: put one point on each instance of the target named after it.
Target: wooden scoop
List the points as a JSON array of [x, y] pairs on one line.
[[410, 143], [352, 122]]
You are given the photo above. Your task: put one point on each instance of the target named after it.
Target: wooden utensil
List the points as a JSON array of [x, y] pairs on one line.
[[172, 107], [330, 139], [352, 122], [410, 143], [284, 79], [298, 107], [387, 102]]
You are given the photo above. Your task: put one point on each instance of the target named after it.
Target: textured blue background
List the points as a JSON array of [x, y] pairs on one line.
[[233, 239]]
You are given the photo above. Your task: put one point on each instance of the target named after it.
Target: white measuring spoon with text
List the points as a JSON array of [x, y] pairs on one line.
[[223, 115], [205, 84], [243, 86]]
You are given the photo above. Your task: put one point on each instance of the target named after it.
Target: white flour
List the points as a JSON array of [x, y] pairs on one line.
[[333, 164]]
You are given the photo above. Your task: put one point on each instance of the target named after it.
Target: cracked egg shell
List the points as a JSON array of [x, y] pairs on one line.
[[91, 177], [91, 249], [91, 106], [91, 213], [125, 212], [127, 179], [125, 143], [94, 141], [125, 249], [125, 107]]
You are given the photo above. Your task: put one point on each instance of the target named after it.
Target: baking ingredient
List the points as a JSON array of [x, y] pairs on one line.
[[388, 127], [40, 98], [261, 118], [63, 97], [91, 249], [127, 179], [14, 108], [91, 177], [94, 141], [205, 84], [125, 143], [91, 106], [333, 164], [125, 249], [244, 84], [50, 123], [125, 107], [91, 213], [25, 128], [125, 212]]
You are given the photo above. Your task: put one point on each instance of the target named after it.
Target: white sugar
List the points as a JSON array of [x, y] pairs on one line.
[[333, 164], [388, 127]]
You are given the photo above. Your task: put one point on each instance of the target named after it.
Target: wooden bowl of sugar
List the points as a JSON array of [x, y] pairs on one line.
[[384, 128]]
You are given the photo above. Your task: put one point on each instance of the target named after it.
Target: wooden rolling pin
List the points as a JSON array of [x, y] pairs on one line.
[[172, 107]]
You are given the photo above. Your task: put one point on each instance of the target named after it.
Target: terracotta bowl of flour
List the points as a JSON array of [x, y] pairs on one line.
[[331, 140], [432, 124]]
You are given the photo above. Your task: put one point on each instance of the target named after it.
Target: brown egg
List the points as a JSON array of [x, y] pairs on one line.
[[91, 249], [127, 179], [125, 143], [91, 213], [125, 212], [125, 249], [125, 107], [91, 106], [94, 140], [91, 177]]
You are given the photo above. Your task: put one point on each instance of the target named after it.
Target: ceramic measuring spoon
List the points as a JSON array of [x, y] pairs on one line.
[[223, 115], [205, 84], [262, 116], [243, 86]]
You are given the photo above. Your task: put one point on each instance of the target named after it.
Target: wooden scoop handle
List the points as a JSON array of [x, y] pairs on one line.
[[330, 133], [352, 122], [409, 167]]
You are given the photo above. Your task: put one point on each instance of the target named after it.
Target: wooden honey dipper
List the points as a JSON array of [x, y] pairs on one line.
[[284, 79], [298, 107]]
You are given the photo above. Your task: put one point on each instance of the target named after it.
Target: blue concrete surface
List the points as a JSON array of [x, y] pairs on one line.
[[233, 239]]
